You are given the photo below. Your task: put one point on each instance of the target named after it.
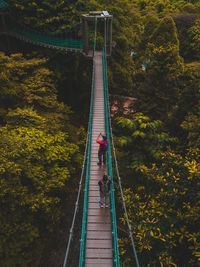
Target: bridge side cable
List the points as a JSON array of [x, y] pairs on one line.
[[118, 176], [76, 207], [89, 131], [116, 259], [85, 206]]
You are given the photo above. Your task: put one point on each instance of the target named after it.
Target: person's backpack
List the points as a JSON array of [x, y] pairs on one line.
[[105, 188]]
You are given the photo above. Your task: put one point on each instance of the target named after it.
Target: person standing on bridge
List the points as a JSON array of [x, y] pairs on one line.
[[103, 145], [104, 189]]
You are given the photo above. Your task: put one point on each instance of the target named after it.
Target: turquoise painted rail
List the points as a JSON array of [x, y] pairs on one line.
[[85, 204], [116, 262]]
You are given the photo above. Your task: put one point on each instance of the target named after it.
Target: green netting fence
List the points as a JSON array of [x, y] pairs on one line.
[[45, 39], [3, 4]]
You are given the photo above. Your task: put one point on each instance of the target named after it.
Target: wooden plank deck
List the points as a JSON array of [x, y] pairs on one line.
[[99, 238]]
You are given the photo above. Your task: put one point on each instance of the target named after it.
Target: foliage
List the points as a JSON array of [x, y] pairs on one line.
[[40, 145], [164, 211], [29, 83], [38, 159], [194, 34], [141, 140], [159, 88], [34, 169], [188, 97], [49, 16]]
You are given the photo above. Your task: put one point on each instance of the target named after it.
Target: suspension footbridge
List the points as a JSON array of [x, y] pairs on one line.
[[99, 239]]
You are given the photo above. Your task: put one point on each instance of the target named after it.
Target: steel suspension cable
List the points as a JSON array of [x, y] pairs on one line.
[[76, 206], [85, 206], [95, 38], [110, 171], [119, 179], [116, 260], [83, 166]]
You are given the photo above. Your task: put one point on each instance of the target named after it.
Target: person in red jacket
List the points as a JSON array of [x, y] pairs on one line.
[[103, 144]]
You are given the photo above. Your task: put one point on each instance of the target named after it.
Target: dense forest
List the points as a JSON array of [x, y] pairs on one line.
[[44, 106]]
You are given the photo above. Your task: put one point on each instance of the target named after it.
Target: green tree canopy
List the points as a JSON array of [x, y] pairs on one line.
[[157, 95], [34, 170]]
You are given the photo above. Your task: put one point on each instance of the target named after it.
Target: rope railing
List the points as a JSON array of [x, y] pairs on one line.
[[116, 261], [119, 178], [85, 205]]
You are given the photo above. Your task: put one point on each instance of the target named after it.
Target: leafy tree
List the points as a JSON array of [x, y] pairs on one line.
[[141, 140], [164, 212], [188, 98], [38, 162], [55, 17], [194, 34], [184, 22], [29, 83], [34, 170], [126, 36], [151, 22], [159, 89]]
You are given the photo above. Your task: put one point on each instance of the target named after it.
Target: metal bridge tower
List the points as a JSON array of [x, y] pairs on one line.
[[91, 17]]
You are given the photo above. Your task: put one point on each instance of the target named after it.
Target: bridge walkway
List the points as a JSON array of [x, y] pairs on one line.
[[99, 251]]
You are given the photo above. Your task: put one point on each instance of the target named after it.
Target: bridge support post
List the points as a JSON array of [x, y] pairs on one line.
[[109, 37], [85, 36], [91, 17]]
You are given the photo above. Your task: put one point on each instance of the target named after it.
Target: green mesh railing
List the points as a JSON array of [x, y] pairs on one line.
[[42, 39], [3, 4], [116, 262], [45, 39]]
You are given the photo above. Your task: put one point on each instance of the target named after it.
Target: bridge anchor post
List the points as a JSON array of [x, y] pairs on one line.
[[92, 17]]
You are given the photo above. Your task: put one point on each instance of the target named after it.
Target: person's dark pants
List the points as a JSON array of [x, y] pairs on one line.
[[102, 156]]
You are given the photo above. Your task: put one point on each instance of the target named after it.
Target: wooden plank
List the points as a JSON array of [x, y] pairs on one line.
[[100, 235], [97, 265], [97, 130], [106, 263], [98, 219], [94, 187], [93, 159], [91, 243], [93, 205], [93, 182], [99, 226], [94, 193], [98, 253], [96, 172], [99, 212], [93, 198]]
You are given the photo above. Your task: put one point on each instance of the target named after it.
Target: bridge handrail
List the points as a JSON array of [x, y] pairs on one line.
[[116, 262], [86, 190], [85, 205], [121, 189]]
